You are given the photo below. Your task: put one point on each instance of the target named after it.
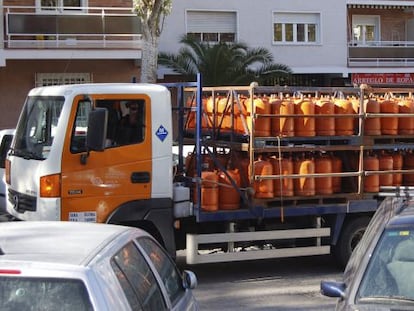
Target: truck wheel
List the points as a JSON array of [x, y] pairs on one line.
[[351, 234]]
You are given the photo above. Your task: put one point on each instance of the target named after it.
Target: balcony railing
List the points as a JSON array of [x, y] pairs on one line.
[[381, 54], [92, 27]]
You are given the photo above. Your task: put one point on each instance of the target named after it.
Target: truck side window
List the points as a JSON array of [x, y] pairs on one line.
[[131, 127], [78, 140]]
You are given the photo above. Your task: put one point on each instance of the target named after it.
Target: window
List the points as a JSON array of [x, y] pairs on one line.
[[295, 28], [365, 29], [126, 123], [78, 141], [44, 79], [165, 267], [17, 293], [59, 5], [37, 129], [137, 280], [4, 149], [209, 26]]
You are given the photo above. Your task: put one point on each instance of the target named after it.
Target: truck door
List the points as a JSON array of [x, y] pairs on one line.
[[119, 174]]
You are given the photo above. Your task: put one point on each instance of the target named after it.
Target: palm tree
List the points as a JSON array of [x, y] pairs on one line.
[[223, 63]]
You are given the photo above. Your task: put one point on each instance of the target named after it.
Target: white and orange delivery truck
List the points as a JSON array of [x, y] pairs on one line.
[[261, 180]]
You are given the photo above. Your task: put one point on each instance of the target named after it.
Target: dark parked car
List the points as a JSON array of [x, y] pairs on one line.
[[380, 272], [64, 266]]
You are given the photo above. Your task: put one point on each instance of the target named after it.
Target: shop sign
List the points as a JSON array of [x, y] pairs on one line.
[[383, 78]]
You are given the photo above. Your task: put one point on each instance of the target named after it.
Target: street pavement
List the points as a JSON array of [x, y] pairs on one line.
[[4, 217]]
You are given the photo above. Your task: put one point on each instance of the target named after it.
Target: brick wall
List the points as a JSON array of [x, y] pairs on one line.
[[18, 77]]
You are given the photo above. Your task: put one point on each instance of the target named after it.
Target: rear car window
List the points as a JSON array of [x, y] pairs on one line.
[[137, 280], [166, 268], [22, 293]]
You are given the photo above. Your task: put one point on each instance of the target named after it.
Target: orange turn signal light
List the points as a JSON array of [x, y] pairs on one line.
[[50, 186]]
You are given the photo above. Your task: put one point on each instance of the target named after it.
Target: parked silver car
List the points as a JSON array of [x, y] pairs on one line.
[[380, 272], [6, 137], [88, 266]]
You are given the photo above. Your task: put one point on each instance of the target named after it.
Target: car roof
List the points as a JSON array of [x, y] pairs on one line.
[[58, 242]]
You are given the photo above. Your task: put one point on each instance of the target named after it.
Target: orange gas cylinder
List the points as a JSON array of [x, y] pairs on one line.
[[263, 188], [191, 116], [206, 116], [229, 198], [408, 164], [262, 125], [304, 186], [389, 125], [325, 126], [371, 182], [283, 126], [209, 192], [304, 119], [211, 112], [223, 119], [406, 124], [372, 126], [283, 186], [344, 125], [385, 164], [356, 105], [207, 163], [242, 163], [397, 164], [323, 165], [336, 168], [240, 115]]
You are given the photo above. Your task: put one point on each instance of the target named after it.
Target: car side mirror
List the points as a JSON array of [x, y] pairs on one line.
[[333, 289], [97, 128], [189, 279]]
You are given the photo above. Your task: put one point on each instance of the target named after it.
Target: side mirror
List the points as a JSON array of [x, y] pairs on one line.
[[189, 279], [333, 289], [97, 127]]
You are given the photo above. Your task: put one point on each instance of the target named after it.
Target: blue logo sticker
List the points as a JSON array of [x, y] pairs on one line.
[[162, 133]]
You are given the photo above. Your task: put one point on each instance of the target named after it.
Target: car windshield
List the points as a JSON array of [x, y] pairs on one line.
[[389, 276], [37, 127], [43, 294]]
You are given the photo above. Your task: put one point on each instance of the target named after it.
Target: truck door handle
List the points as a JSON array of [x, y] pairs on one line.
[[140, 177]]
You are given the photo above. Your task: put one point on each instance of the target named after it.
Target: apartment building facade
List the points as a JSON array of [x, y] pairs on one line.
[[325, 42], [46, 42]]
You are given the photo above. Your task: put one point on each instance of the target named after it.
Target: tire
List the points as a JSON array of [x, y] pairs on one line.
[[352, 232]]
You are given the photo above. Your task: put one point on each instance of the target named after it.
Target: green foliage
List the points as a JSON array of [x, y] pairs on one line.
[[143, 8], [223, 63]]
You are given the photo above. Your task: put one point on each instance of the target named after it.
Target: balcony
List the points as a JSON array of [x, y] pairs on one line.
[[381, 54], [80, 28]]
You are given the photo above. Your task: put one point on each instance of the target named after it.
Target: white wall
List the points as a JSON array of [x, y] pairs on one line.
[[255, 28]]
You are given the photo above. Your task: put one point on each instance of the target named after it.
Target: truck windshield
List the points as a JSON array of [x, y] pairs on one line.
[[37, 126]]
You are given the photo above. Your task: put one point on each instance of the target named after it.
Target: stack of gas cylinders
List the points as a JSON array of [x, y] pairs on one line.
[[294, 172]]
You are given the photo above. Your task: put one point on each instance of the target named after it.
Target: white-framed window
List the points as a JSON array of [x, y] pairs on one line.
[[45, 79], [212, 26], [60, 5], [296, 28], [365, 29]]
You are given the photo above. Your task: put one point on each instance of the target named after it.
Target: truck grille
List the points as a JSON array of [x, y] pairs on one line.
[[22, 202]]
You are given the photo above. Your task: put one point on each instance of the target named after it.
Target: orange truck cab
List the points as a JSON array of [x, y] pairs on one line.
[[95, 153]]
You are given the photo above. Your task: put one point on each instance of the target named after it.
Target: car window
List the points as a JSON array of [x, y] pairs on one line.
[[44, 294], [4, 148], [137, 279], [378, 221], [389, 274], [166, 268]]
